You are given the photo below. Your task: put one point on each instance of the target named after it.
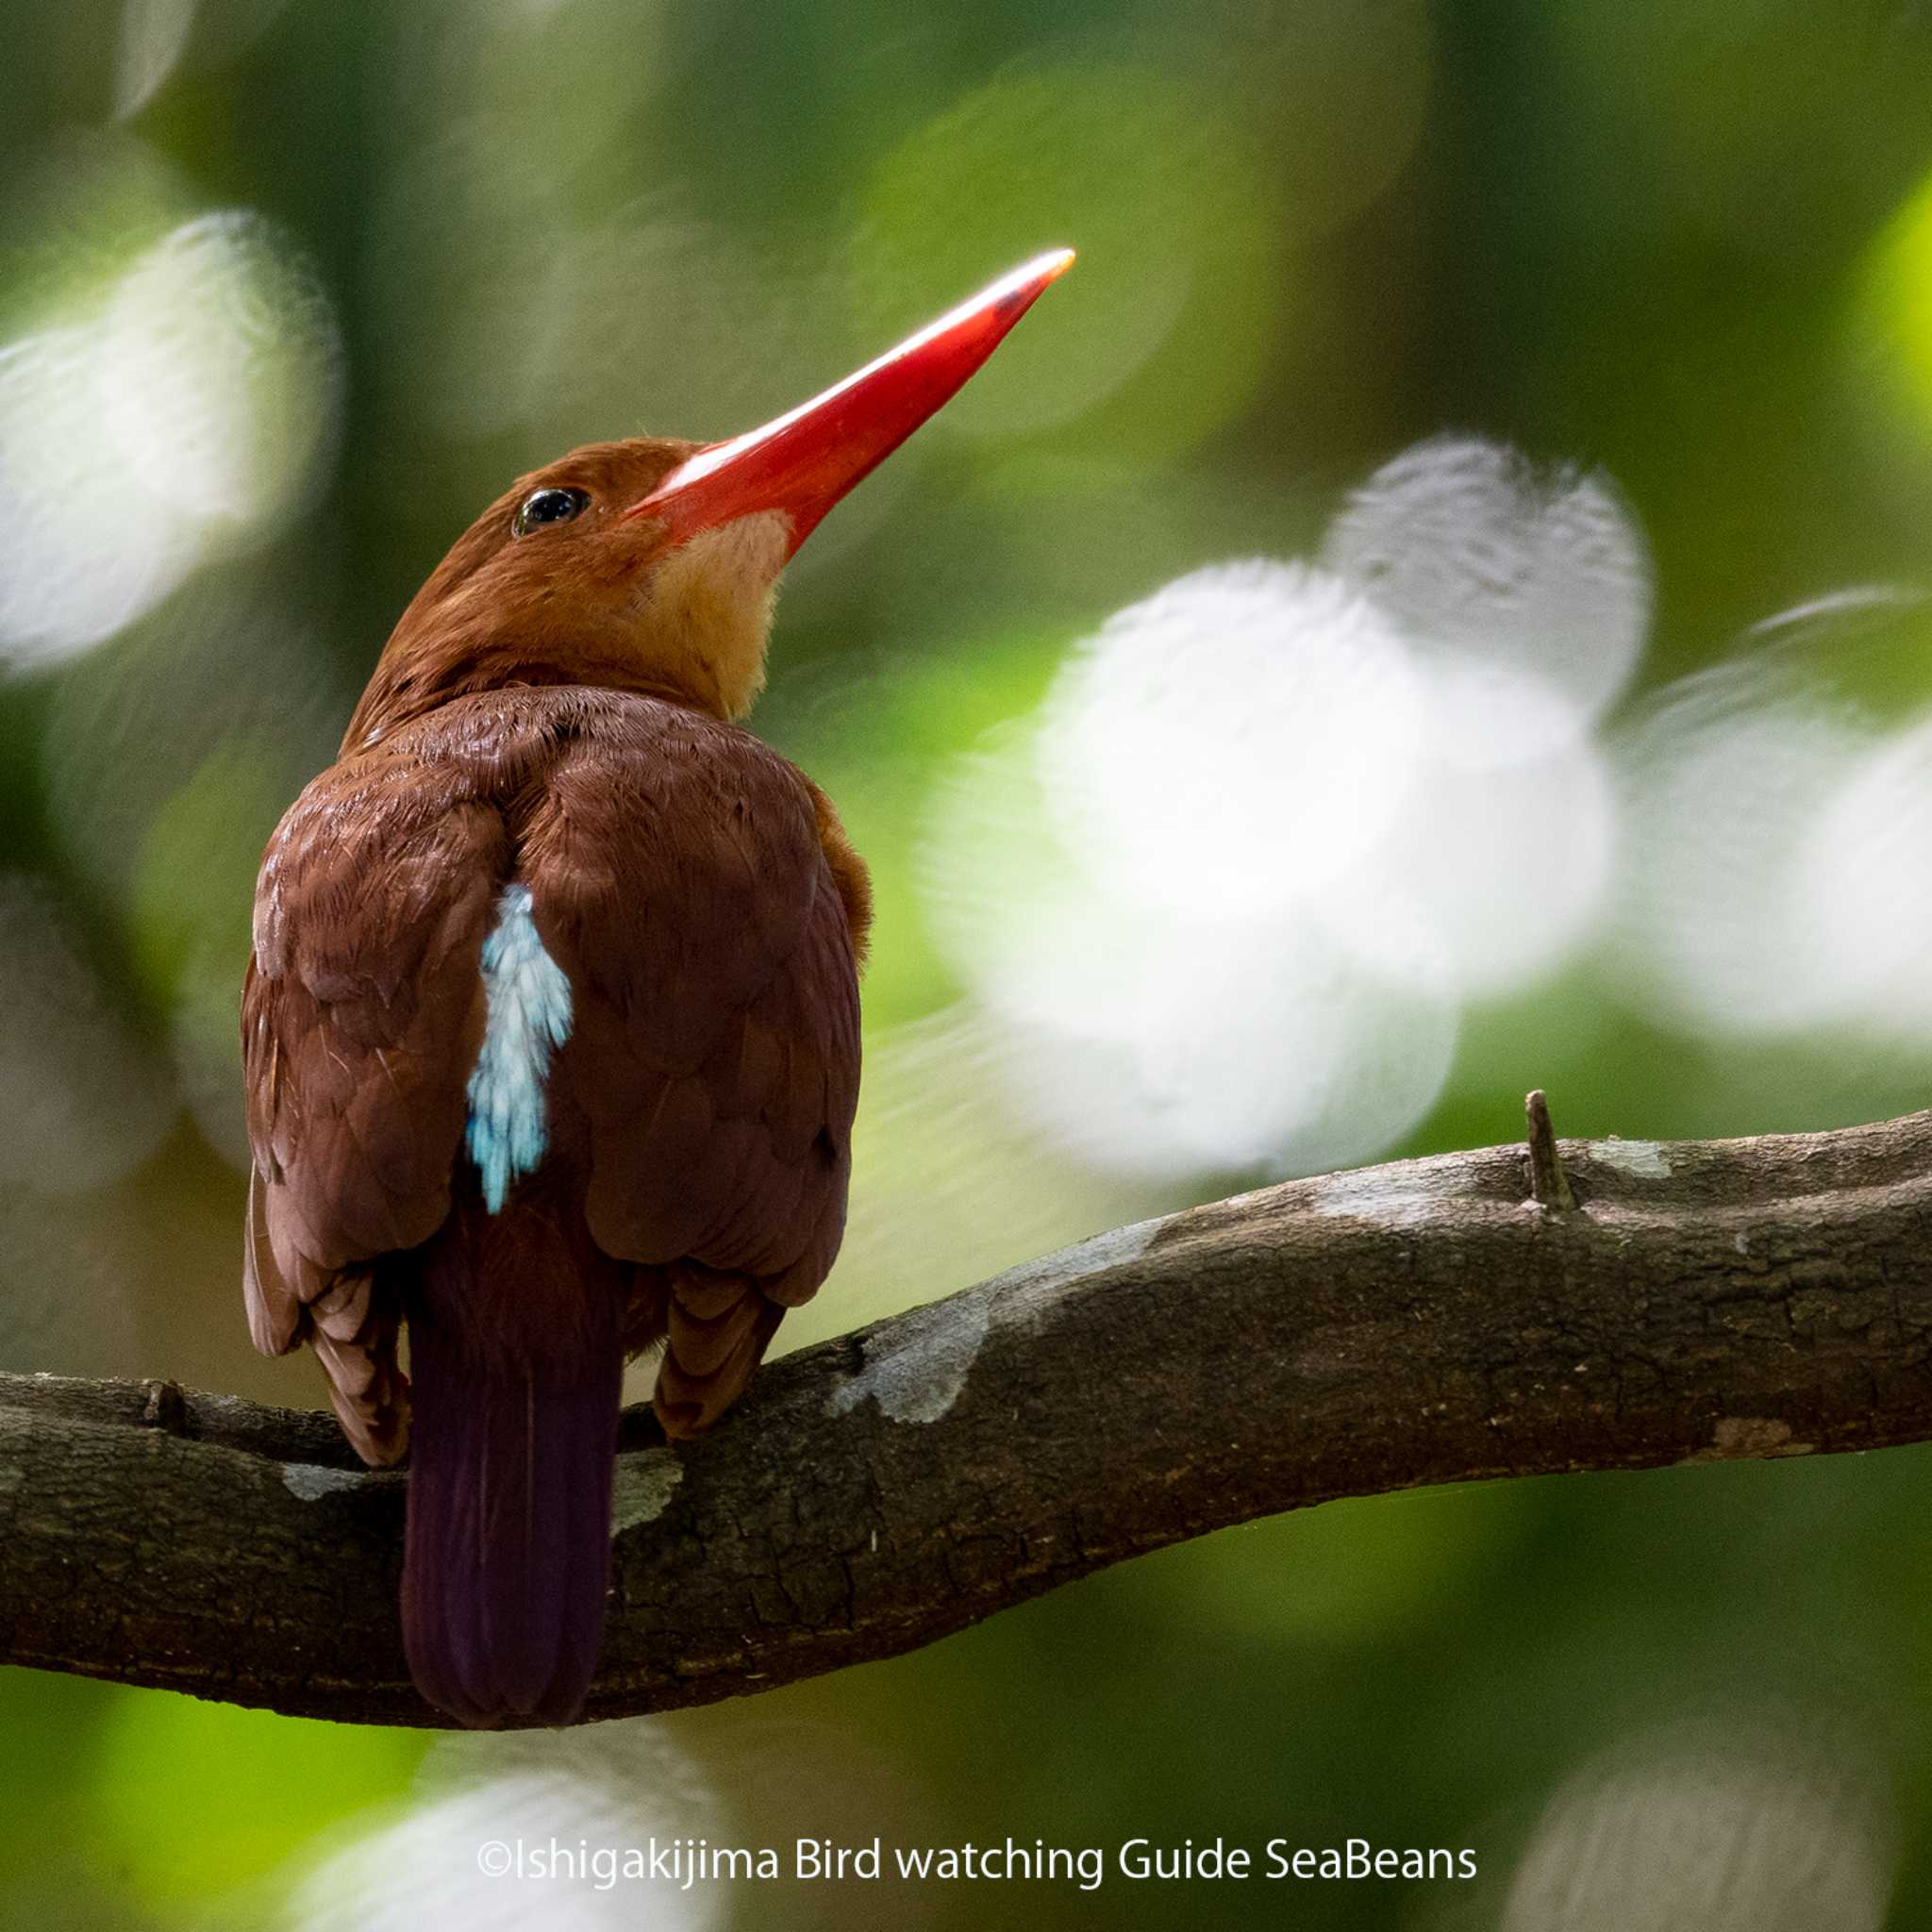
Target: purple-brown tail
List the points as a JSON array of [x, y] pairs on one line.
[[507, 1555]]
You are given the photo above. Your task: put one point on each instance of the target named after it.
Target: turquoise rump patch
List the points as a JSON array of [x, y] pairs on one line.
[[527, 1018]]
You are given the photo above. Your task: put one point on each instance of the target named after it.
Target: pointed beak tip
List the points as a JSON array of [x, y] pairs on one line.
[[1024, 284]]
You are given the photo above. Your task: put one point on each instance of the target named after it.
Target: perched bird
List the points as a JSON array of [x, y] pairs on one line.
[[551, 1025]]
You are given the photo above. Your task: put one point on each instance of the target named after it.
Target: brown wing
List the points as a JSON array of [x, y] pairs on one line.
[[680, 881], [360, 1018]]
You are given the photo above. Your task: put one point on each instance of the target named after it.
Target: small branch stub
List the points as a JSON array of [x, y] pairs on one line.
[[165, 1407], [1549, 1186]]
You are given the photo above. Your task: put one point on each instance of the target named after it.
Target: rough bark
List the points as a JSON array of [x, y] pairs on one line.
[[1426, 1322]]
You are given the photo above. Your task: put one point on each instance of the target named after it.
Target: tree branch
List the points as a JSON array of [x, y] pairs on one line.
[[1427, 1321]]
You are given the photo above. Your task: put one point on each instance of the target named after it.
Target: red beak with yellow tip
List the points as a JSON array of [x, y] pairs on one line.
[[803, 462]]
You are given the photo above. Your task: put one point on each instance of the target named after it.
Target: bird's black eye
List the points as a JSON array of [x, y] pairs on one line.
[[548, 507]]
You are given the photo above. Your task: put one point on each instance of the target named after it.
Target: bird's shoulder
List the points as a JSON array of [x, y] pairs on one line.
[[538, 779], [496, 741]]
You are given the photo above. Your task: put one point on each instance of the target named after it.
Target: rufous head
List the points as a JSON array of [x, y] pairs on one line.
[[653, 564]]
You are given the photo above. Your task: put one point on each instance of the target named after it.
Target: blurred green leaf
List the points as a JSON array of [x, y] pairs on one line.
[[193, 1799]]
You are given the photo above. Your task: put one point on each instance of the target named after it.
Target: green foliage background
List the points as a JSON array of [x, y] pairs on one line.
[[1690, 243]]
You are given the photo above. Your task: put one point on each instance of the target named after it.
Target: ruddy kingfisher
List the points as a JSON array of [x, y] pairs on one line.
[[551, 1025]]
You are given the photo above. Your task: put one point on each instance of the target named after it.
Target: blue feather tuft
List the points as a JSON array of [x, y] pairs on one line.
[[527, 1018]]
